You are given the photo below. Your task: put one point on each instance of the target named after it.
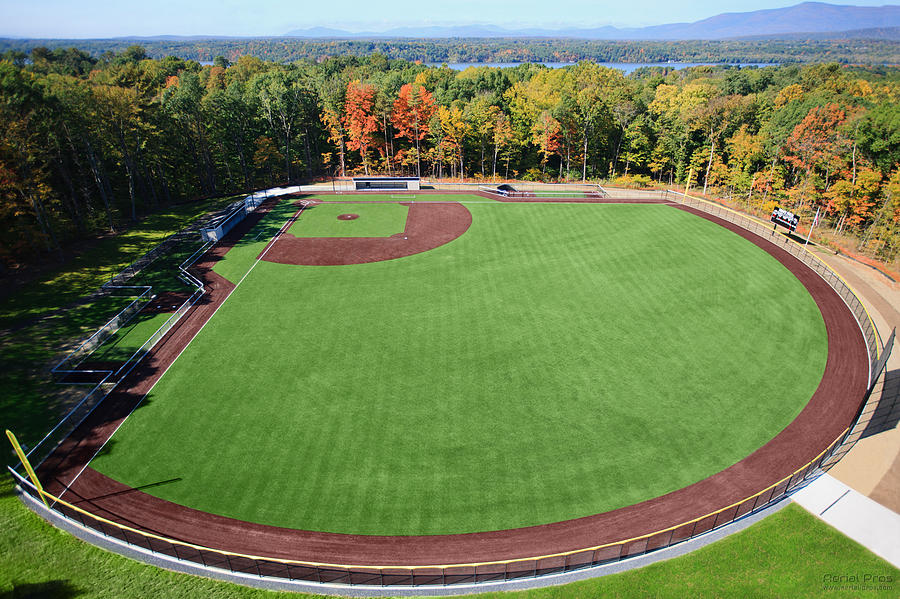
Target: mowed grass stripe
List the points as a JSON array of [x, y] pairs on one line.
[[554, 362]]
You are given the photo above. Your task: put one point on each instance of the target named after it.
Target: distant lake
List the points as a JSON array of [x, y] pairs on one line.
[[627, 67]]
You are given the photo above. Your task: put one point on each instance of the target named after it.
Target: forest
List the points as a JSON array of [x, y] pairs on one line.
[[287, 49], [92, 144]]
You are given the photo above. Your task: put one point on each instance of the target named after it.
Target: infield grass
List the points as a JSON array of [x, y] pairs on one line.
[[556, 361], [386, 197], [374, 220]]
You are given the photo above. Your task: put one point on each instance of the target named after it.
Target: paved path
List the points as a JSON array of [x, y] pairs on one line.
[[860, 495], [872, 467], [865, 521]]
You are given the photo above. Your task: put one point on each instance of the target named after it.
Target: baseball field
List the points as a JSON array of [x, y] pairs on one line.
[[547, 361]]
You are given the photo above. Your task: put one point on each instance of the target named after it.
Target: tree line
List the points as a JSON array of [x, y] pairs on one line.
[[91, 144]]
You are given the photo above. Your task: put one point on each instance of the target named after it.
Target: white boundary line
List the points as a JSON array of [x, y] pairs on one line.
[[269, 245]]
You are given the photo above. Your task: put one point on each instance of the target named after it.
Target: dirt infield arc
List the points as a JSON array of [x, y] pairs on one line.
[[831, 409], [427, 227]]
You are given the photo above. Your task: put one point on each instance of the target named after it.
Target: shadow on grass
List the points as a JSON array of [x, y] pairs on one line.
[[7, 485], [133, 489], [51, 589]]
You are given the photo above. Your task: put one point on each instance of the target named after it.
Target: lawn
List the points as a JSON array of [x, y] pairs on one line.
[[35, 332], [130, 338], [102, 261], [555, 361], [373, 220]]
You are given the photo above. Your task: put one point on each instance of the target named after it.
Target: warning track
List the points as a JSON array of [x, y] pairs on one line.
[[831, 409]]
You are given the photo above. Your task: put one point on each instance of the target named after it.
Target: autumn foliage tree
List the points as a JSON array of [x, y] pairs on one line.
[[545, 135], [359, 120], [815, 144], [90, 145], [413, 110]]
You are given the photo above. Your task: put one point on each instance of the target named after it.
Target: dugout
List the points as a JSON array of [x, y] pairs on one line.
[[389, 183]]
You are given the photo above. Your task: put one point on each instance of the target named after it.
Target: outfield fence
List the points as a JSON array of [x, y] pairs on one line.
[[98, 527], [579, 192]]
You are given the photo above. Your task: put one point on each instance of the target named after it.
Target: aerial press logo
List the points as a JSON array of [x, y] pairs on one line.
[[857, 582]]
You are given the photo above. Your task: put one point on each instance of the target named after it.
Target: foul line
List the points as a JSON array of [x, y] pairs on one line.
[[269, 245]]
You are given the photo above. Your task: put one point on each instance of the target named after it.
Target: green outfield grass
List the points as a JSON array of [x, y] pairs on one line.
[[375, 220], [128, 339], [557, 360]]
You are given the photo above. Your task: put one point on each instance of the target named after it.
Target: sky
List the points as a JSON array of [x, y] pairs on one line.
[[118, 18]]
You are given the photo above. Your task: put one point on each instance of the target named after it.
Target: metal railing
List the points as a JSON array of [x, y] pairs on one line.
[[141, 295], [105, 380], [475, 572]]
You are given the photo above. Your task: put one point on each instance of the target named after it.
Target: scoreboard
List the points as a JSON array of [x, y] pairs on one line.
[[782, 217]]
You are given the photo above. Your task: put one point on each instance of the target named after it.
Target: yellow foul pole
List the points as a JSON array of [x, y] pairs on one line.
[[24, 459]]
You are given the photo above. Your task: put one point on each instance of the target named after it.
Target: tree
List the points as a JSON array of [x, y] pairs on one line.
[[879, 135], [265, 158], [545, 135], [503, 137], [331, 93], [453, 124], [412, 114], [184, 102], [481, 116], [119, 110], [359, 120], [817, 143], [284, 99]]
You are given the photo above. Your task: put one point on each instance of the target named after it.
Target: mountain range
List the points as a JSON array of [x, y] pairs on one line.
[[807, 18]]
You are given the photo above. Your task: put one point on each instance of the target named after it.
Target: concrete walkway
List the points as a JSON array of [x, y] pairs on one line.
[[860, 495], [862, 519], [872, 465]]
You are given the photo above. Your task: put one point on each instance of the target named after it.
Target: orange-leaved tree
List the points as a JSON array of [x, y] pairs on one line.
[[545, 134], [359, 119], [817, 143], [413, 109]]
